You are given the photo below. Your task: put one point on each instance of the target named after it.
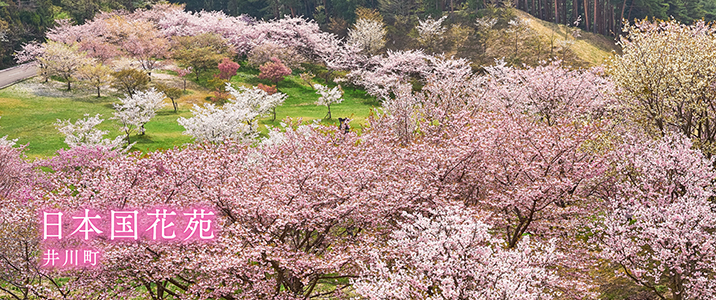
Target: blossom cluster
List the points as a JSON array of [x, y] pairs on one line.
[[131, 224]]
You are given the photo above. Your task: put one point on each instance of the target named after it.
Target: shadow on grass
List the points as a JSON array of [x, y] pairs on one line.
[[95, 100], [142, 140], [169, 112]]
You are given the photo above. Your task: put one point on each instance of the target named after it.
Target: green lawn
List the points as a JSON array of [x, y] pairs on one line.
[[29, 117], [302, 97]]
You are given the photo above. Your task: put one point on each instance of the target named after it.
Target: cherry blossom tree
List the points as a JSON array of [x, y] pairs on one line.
[[213, 124], [96, 75], [536, 179], [452, 255], [274, 70], [367, 35], [183, 73], [83, 133], [382, 74], [256, 99], [235, 120], [63, 61], [227, 69], [299, 229], [666, 74], [303, 35], [99, 49], [30, 51], [263, 53], [18, 243], [549, 91], [145, 43], [65, 32], [136, 110], [328, 96], [659, 230], [430, 32]]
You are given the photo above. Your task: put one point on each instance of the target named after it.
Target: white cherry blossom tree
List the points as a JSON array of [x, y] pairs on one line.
[[328, 96]]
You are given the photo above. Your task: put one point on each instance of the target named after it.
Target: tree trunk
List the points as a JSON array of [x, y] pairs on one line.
[[69, 85], [575, 11], [611, 18], [98, 92], [594, 28], [532, 9], [539, 8], [586, 14], [556, 12]]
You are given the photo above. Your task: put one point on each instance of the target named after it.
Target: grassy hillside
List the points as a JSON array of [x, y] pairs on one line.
[[28, 111], [591, 48]]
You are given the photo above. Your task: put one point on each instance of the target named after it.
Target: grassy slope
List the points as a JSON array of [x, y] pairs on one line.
[[302, 97], [590, 47], [30, 117]]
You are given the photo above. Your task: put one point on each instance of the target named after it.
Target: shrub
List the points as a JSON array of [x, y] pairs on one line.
[[274, 70], [227, 68]]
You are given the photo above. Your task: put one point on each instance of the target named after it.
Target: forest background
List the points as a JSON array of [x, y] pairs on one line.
[[23, 21]]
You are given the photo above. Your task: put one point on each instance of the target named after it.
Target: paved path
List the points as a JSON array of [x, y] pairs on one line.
[[17, 73]]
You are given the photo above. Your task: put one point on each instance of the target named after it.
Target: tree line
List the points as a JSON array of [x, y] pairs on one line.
[[598, 16], [22, 21], [605, 16]]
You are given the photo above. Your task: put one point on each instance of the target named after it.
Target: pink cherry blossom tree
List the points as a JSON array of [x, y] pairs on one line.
[[452, 255], [183, 73], [550, 91], [313, 223], [274, 70], [145, 43], [659, 230], [227, 69]]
